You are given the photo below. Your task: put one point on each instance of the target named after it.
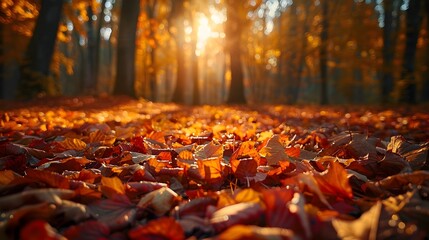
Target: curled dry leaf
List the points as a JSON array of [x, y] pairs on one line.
[[160, 201], [240, 213], [47, 195]]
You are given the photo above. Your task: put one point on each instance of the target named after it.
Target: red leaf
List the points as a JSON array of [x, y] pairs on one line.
[[88, 230], [161, 228], [39, 230], [49, 178]]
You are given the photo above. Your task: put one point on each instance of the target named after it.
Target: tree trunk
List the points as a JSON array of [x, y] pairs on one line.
[[177, 15], [324, 54], [408, 92], [124, 84], [98, 43], [390, 33], [425, 88], [90, 82], [194, 67], [35, 78], [233, 48], [2, 72]]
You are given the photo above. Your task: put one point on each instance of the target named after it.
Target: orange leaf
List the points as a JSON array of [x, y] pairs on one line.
[[246, 150], [293, 152], [161, 228], [210, 168], [256, 233], [102, 138], [186, 155], [158, 164], [334, 181], [73, 143], [112, 186], [164, 156], [7, 176]]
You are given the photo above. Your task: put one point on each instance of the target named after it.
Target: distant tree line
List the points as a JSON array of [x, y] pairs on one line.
[[212, 52]]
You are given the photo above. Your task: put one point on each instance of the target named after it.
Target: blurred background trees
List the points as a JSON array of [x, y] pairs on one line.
[[218, 51]]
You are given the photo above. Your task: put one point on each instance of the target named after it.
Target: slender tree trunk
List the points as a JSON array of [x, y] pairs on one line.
[[177, 16], [90, 82], [233, 48], [152, 74], [194, 67], [408, 92], [35, 69], [97, 47], [125, 77], [2, 72], [390, 33], [324, 54], [425, 88]]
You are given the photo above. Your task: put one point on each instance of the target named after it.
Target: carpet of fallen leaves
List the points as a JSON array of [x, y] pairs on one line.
[[115, 168]]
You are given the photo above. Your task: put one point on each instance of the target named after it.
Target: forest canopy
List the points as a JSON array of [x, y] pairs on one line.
[[217, 51]]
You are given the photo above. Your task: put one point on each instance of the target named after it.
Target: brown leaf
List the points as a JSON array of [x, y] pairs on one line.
[[416, 154], [274, 151], [210, 150], [117, 212]]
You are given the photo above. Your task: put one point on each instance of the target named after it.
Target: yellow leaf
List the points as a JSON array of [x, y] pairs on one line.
[[247, 195]]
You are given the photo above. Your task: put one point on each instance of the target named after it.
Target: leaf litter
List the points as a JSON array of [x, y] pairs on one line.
[[116, 168]]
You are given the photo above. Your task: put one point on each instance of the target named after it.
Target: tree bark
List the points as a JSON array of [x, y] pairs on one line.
[[125, 77], [179, 36], [98, 42], [425, 88], [408, 92], [390, 33], [324, 54], [2, 72], [35, 69], [233, 36], [90, 82]]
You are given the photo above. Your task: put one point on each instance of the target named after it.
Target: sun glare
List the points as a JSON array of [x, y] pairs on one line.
[[209, 28], [204, 33]]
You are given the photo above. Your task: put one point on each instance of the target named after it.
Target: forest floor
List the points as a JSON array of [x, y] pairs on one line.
[[118, 168]]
